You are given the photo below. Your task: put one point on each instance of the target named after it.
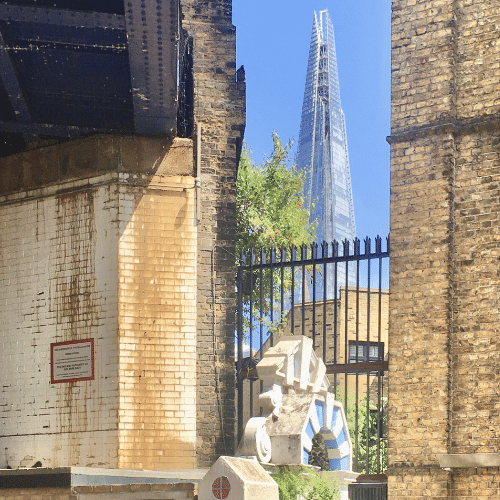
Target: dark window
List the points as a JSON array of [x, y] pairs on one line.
[[366, 351]]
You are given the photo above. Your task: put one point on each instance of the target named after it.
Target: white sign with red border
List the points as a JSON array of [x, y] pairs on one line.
[[72, 361]]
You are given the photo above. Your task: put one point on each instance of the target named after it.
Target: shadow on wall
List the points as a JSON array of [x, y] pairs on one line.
[[110, 255]]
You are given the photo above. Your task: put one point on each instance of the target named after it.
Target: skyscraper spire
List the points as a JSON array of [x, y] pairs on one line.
[[322, 148]]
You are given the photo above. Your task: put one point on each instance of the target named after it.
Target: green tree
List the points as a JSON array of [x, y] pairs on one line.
[[305, 483], [270, 202], [370, 427], [270, 214]]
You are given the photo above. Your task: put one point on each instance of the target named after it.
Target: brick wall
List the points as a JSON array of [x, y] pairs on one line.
[[444, 246], [157, 326], [152, 412], [219, 108], [112, 257], [58, 282], [367, 316]]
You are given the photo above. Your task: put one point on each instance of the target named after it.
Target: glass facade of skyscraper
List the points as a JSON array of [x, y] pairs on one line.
[[322, 148]]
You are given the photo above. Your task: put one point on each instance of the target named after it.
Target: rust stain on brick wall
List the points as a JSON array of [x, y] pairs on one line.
[[76, 307]]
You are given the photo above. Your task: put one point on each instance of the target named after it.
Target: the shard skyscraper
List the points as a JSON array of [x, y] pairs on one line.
[[322, 148]]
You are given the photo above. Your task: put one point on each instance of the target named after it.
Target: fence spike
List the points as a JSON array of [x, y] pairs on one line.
[[324, 249], [368, 246], [346, 247], [357, 246], [303, 252]]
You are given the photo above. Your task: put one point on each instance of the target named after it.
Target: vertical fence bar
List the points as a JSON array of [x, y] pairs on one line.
[[378, 249], [314, 256], [356, 326], [380, 421], [261, 301], [336, 332], [368, 320], [252, 281], [368, 288], [303, 256], [282, 284], [292, 296], [261, 311], [324, 255], [356, 421], [368, 424], [239, 364], [346, 323], [271, 295]]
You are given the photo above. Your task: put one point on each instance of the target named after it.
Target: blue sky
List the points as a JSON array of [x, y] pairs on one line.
[[273, 42]]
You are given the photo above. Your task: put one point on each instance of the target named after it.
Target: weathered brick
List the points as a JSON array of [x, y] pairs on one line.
[[444, 245]]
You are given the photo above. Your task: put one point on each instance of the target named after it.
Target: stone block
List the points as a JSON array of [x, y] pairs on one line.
[[237, 479]]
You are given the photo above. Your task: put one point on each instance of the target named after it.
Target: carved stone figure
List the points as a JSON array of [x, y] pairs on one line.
[[296, 405]]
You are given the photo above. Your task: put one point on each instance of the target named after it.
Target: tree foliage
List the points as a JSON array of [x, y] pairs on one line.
[[303, 484], [370, 427], [270, 213], [270, 202]]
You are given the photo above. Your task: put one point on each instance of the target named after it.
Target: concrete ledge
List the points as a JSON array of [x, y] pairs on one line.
[[469, 460], [62, 477]]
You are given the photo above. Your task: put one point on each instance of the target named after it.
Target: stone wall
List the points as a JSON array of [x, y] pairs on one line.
[[445, 174], [219, 109]]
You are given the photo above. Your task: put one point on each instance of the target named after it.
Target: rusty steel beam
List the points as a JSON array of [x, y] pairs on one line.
[[152, 35]]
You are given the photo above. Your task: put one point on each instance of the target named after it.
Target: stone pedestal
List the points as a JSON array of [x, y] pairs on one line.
[[237, 479]]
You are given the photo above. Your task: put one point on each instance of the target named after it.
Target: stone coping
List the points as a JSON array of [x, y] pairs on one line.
[[469, 460], [89, 476]]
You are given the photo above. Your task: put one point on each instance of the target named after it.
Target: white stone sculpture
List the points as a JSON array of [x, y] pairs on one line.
[[296, 406]]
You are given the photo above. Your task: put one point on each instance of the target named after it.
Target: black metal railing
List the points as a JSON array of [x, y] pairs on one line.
[[368, 491], [338, 296]]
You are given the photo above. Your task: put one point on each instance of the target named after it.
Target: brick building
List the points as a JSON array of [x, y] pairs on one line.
[[444, 403], [116, 234]]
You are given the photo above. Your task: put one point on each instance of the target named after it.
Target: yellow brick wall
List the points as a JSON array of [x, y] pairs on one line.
[[157, 326], [364, 311], [445, 175], [419, 309]]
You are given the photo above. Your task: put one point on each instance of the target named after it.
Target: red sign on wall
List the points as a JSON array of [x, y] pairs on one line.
[[72, 361]]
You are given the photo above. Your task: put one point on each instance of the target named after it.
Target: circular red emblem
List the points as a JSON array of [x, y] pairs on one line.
[[221, 487]]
